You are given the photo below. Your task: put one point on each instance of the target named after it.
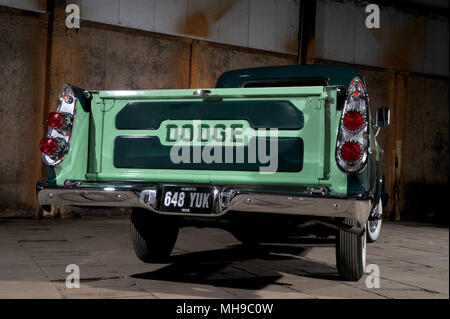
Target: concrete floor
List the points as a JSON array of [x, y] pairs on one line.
[[210, 263]]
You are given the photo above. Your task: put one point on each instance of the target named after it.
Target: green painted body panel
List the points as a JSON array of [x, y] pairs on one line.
[[92, 146]]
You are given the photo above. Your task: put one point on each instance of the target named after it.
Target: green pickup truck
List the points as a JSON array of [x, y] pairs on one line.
[[269, 154]]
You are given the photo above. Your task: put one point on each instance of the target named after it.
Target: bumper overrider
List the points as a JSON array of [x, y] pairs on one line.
[[307, 201]]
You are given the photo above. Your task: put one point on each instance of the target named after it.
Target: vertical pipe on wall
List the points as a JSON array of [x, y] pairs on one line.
[[300, 31], [51, 16], [50, 9], [307, 25]]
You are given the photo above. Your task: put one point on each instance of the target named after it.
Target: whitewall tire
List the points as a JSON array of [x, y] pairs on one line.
[[374, 226]]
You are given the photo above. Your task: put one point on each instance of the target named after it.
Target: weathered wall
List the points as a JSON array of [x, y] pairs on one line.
[[416, 143], [22, 77], [406, 40], [99, 56], [424, 135], [259, 24], [210, 61], [106, 58]]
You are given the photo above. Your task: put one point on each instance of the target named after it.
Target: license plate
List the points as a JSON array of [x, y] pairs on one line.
[[187, 199]]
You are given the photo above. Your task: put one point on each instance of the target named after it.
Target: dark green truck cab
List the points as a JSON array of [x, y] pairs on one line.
[[269, 152]]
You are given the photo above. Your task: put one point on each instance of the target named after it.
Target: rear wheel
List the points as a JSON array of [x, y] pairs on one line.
[[350, 253], [153, 235]]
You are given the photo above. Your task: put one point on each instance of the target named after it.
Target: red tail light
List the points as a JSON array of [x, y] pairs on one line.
[[350, 152], [49, 146], [353, 120], [352, 140], [56, 144], [57, 120]]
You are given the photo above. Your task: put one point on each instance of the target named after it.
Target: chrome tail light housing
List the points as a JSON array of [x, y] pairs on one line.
[[353, 135], [55, 145]]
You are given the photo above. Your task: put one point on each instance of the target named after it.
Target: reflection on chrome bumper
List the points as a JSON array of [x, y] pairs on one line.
[[299, 205], [262, 200]]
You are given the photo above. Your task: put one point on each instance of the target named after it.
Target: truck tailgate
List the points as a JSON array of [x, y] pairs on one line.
[[146, 135]]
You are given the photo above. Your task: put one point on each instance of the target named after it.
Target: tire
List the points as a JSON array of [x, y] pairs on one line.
[[350, 253], [374, 226], [153, 235]]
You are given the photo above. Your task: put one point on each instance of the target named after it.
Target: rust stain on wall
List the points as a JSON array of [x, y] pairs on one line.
[[403, 45], [195, 24], [198, 23], [291, 45], [310, 51]]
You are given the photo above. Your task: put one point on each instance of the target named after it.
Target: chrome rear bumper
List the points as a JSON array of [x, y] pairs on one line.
[[231, 198]]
